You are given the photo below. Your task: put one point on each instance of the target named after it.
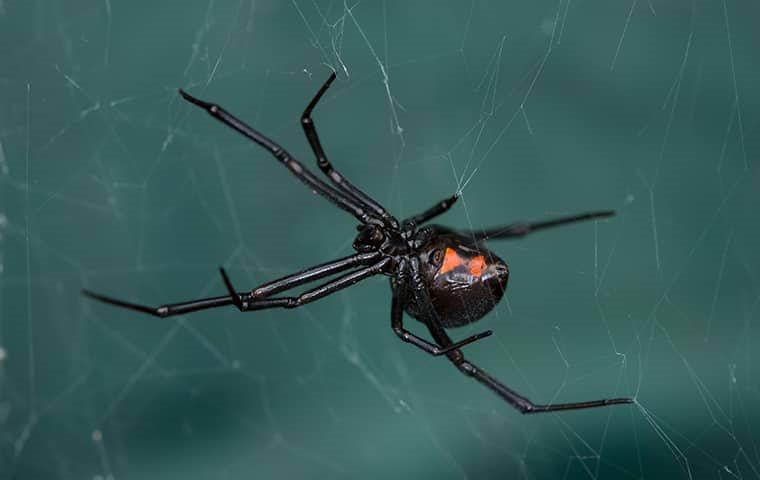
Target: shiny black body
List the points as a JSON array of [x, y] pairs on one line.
[[457, 297], [441, 277]]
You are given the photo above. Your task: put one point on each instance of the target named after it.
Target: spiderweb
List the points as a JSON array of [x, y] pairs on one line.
[[108, 180]]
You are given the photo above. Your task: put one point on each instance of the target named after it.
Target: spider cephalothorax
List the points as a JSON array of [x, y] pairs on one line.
[[375, 238], [442, 277]]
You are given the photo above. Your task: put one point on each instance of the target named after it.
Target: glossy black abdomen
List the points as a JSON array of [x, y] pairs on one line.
[[464, 281]]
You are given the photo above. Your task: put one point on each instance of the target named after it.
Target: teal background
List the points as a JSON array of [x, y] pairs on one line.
[[532, 109]]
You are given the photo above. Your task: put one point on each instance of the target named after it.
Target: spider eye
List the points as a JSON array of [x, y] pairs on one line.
[[436, 257]]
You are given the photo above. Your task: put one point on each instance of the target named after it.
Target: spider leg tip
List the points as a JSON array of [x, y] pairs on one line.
[[485, 334], [237, 300], [223, 272], [227, 282], [194, 100], [90, 294]]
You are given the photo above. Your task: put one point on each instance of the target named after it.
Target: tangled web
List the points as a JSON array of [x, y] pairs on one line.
[[109, 181]]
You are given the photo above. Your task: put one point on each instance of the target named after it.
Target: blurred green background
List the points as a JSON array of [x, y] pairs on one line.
[[532, 109]]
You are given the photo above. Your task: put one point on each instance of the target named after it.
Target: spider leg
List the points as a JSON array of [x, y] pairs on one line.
[[520, 229], [432, 212], [313, 273], [167, 310], [337, 197], [397, 322], [264, 290], [521, 403], [324, 164], [246, 302]]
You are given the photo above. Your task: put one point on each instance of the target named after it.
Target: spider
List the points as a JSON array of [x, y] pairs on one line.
[[443, 278]]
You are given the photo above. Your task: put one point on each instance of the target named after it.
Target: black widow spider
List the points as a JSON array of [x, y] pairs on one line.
[[441, 277]]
